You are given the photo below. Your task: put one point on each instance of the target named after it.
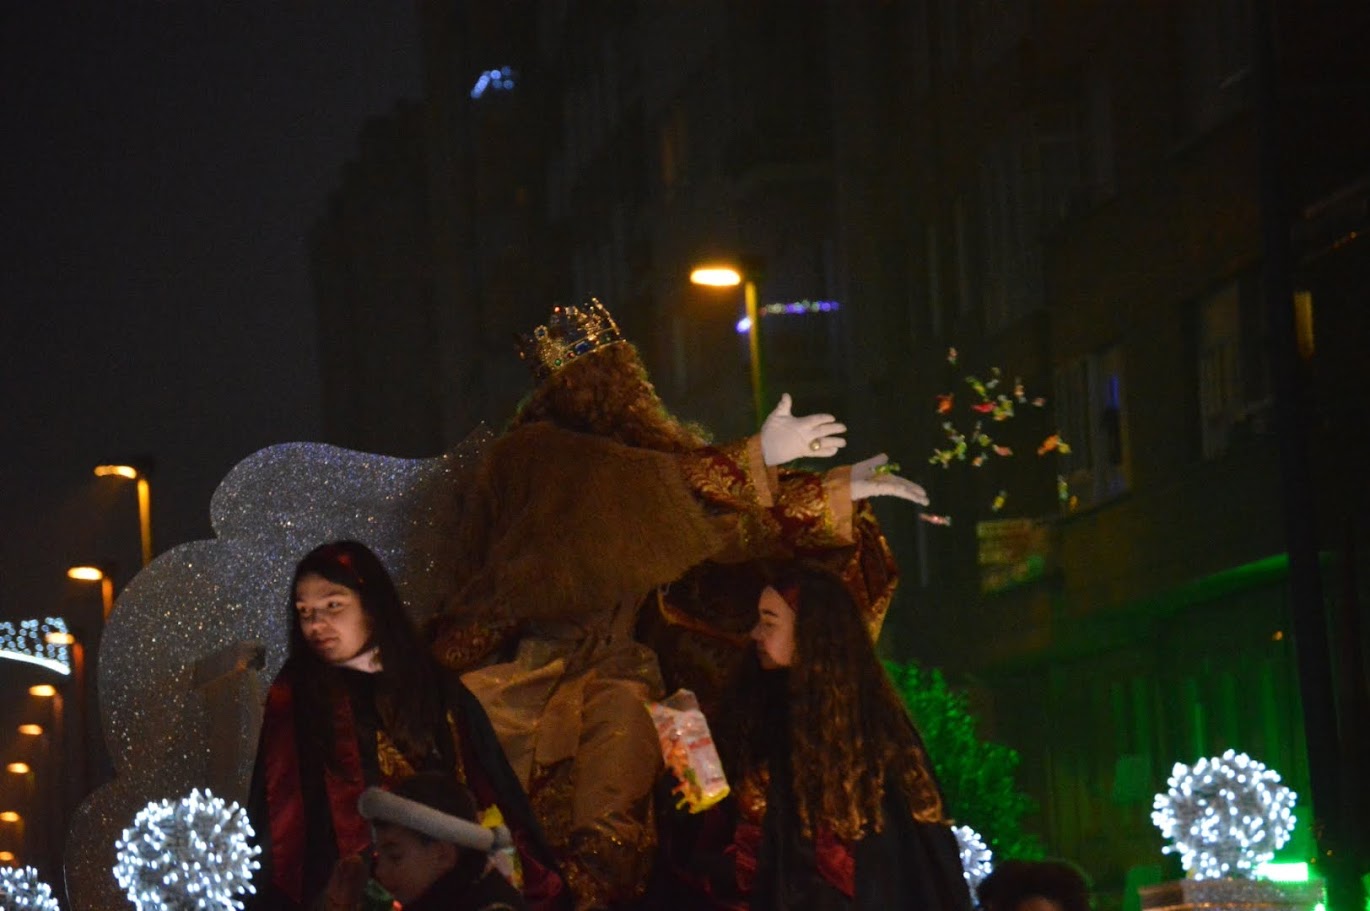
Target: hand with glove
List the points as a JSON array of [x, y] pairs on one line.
[[869, 478], [785, 437]]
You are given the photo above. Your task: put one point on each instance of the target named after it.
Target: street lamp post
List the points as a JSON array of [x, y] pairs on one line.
[[102, 574], [716, 276], [138, 474], [55, 823]]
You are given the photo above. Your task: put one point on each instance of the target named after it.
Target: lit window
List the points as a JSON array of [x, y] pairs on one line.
[[1092, 419]]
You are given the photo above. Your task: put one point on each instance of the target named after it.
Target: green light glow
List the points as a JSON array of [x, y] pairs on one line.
[[1283, 872]]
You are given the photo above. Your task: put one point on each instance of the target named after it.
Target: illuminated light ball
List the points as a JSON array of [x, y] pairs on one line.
[[191, 855], [1225, 815], [977, 860], [22, 890]]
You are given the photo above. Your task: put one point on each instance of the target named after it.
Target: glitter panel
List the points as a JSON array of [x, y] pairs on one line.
[[1230, 895], [205, 596]]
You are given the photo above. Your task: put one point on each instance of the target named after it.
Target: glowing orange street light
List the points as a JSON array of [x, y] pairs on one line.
[[134, 473], [18, 768], [31, 730], [10, 816], [717, 275], [92, 573], [6, 857], [43, 690]]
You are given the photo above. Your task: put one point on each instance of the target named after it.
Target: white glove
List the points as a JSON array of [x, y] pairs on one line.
[[867, 482], [785, 437]]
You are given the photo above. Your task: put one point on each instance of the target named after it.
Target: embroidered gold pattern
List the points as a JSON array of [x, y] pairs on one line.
[[394, 765], [459, 645], [600, 868]]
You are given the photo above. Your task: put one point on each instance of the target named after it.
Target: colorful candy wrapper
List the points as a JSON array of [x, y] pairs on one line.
[[505, 860], [689, 751]]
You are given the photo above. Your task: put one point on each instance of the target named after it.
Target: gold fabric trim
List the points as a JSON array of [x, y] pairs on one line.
[[395, 766]]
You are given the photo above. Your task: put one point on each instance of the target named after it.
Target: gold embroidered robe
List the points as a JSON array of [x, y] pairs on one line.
[[564, 537]]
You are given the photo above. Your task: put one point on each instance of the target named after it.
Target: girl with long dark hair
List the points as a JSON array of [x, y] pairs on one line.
[[360, 702]]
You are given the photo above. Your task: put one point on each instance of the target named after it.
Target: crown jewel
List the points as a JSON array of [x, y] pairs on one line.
[[571, 333]]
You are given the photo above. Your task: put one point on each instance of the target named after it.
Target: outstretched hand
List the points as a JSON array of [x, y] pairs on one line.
[[346, 885], [785, 437], [867, 480]]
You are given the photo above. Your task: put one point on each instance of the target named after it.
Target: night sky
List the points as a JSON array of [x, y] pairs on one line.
[[162, 165]]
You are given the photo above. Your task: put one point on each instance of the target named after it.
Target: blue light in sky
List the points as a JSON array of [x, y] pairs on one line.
[[793, 308], [498, 80]]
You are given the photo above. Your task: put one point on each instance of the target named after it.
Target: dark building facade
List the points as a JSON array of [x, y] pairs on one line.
[[1127, 207]]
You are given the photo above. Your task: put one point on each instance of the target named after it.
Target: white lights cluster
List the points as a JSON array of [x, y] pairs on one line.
[[28, 642], [191, 855], [22, 890], [977, 860], [1226, 815]]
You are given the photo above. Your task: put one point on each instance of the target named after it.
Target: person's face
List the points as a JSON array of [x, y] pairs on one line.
[[407, 865], [774, 630], [331, 618]]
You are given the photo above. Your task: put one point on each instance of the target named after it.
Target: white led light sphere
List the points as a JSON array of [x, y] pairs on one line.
[[1225, 815], [22, 890], [191, 855], [977, 860]]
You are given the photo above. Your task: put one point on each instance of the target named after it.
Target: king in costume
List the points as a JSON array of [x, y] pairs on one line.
[[599, 533]]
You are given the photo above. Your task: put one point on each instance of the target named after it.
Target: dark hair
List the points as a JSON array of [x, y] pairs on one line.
[[406, 685], [607, 393], [850, 737], [1014, 881], [442, 792]]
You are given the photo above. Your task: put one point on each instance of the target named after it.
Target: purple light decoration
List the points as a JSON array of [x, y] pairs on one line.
[[494, 80], [793, 308]]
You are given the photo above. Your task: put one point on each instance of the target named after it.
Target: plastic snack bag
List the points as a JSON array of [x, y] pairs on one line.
[[689, 751]]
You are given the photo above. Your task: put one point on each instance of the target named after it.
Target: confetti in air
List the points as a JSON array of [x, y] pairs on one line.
[[991, 402]]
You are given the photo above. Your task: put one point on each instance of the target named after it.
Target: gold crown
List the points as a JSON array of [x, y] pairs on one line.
[[571, 333]]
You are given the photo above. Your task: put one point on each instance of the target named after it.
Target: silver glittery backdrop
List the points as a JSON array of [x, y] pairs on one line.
[[1231, 895], [199, 598]]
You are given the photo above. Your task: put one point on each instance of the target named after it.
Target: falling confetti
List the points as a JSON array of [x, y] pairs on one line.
[[1054, 443], [933, 519], [991, 397]]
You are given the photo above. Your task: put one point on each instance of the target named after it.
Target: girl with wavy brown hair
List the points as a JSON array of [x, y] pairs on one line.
[[835, 804]]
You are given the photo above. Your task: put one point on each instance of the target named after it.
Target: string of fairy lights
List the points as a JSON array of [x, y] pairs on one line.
[[1225, 815], [194, 854], [977, 860], [45, 642]]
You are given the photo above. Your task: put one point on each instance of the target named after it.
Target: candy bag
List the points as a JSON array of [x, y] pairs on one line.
[[689, 751]]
